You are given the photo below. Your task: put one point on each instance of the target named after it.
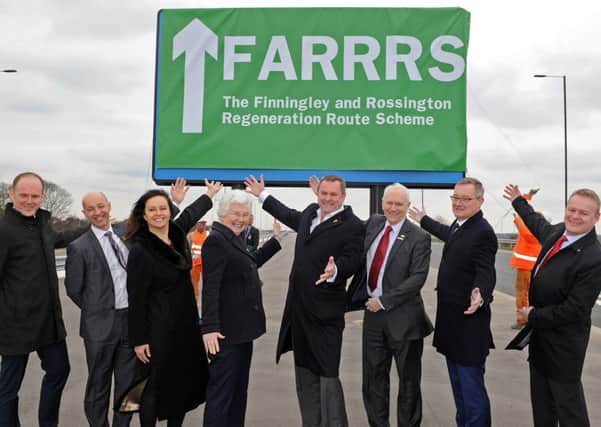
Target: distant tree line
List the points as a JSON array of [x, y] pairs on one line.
[[58, 201]]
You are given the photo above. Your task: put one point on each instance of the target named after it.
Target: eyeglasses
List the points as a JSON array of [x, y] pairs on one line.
[[463, 200]]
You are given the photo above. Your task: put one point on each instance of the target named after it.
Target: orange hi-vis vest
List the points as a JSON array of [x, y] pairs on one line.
[[196, 243], [526, 248]]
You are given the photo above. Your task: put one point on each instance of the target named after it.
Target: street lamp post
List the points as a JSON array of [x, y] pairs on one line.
[[565, 132]]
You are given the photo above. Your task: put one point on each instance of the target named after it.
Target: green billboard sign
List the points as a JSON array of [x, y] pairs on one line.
[[373, 94]]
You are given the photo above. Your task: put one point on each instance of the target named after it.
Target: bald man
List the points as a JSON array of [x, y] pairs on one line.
[[95, 278]]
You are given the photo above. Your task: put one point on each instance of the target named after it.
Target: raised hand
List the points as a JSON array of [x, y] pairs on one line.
[[179, 190], [511, 192], [213, 187], [328, 272], [416, 214], [314, 184], [277, 228], [253, 186]]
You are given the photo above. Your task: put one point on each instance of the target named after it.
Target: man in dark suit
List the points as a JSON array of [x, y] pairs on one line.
[[397, 259], [327, 252], [30, 309], [95, 279], [566, 281], [232, 306], [466, 280], [251, 235]]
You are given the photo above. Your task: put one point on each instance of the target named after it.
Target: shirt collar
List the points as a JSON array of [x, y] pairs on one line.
[[396, 228], [99, 232], [330, 215], [574, 237]]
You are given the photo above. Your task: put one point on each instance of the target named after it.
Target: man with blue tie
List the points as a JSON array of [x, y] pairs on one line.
[[466, 280], [565, 284], [397, 259]]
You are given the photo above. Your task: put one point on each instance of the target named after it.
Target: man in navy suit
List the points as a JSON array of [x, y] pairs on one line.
[[566, 280], [466, 280]]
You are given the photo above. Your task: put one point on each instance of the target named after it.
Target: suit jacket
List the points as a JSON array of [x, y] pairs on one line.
[[232, 303], [468, 261], [404, 276], [90, 285], [563, 293], [318, 311]]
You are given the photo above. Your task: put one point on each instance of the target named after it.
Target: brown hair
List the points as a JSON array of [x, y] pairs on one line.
[[475, 182], [334, 178], [24, 175], [586, 192]]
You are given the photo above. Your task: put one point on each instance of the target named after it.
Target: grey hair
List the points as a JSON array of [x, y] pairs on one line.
[[233, 196], [396, 186], [478, 187]]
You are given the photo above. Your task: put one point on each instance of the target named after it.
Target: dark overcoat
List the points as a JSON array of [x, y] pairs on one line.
[[30, 309], [232, 303], [313, 319], [163, 313], [563, 293], [468, 262]]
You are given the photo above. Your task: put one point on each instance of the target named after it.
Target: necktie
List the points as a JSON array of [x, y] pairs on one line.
[[376, 264], [116, 249], [556, 247], [454, 228]]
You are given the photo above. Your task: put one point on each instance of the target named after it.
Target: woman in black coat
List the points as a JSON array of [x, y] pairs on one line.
[[163, 318], [232, 309]]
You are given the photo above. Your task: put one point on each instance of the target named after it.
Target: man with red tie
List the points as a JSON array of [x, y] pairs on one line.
[[397, 259], [566, 281]]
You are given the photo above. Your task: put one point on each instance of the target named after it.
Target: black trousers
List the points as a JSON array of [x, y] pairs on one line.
[[554, 402], [55, 363], [321, 399], [379, 348], [228, 385], [105, 359]]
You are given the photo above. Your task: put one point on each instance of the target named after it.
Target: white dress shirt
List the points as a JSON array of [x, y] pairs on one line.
[[314, 223], [118, 273], [396, 228]]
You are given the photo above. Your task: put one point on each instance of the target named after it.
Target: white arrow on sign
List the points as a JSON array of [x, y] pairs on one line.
[[194, 40]]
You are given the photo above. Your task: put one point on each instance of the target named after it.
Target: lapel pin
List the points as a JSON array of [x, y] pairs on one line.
[[401, 237], [335, 221]]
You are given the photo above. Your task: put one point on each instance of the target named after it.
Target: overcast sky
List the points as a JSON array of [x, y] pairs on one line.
[[80, 109]]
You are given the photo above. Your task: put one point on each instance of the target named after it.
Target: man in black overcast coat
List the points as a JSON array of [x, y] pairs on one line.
[[31, 317], [563, 291], [328, 251]]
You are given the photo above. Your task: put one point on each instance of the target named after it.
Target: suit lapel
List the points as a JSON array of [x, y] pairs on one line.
[[97, 249], [322, 227], [372, 232], [401, 238], [236, 241]]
